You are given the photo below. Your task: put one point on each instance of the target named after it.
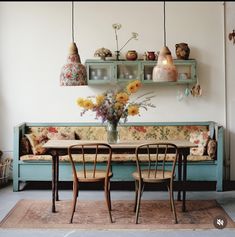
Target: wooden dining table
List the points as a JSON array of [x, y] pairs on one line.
[[60, 147]]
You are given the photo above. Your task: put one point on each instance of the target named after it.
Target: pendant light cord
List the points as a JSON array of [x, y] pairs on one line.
[[72, 21], [164, 11]]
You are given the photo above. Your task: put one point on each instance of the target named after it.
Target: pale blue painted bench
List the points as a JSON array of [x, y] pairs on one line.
[[38, 170]]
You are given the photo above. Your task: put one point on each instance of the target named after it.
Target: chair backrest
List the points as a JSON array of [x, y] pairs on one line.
[[90, 153], [153, 157]]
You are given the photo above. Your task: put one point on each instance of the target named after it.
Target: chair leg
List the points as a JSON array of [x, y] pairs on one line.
[[107, 196], [136, 194], [169, 191], [138, 201], [75, 195], [173, 203]]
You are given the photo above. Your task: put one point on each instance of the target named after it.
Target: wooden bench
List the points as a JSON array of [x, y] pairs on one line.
[[37, 167]]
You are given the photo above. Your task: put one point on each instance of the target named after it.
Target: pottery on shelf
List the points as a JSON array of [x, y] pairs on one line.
[[103, 53], [131, 55], [182, 51], [151, 55]]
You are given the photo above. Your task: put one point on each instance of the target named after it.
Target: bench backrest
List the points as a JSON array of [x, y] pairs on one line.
[[126, 132]]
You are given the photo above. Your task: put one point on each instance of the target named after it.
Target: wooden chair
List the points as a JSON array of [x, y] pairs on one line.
[[151, 168], [89, 173]]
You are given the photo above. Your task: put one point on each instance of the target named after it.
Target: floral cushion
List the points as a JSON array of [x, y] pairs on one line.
[[35, 158], [104, 157], [200, 139], [91, 133], [37, 141], [196, 134], [128, 132], [211, 148], [83, 133], [198, 158], [25, 147], [61, 136], [38, 138], [159, 132]]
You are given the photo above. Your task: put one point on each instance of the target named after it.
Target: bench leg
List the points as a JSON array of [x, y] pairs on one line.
[[15, 176], [16, 185], [219, 184]]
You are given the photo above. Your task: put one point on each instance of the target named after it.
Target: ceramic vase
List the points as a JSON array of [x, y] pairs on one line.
[[131, 55]]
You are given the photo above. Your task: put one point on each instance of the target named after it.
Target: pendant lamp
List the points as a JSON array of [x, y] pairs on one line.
[[165, 69], [73, 73]]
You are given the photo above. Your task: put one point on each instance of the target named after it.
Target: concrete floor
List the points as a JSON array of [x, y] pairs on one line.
[[8, 199]]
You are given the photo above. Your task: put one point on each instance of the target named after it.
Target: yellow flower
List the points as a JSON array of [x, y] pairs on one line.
[[122, 97], [133, 110], [115, 103], [137, 84], [88, 104], [131, 88], [99, 99], [80, 102], [118, 105]]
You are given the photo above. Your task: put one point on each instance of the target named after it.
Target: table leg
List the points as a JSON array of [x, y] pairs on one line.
[[53, 181], [57, 178], [185, 154], [179, 175]]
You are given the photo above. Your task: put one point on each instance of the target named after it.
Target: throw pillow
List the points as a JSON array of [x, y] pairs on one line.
[[25, 147], [200, 139], [212, 148], [37, 141]]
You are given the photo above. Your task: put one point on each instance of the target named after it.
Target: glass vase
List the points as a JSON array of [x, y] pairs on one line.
[[112, 132]]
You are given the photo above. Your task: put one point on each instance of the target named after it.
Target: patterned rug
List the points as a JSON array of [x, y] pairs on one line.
[[200, 214]]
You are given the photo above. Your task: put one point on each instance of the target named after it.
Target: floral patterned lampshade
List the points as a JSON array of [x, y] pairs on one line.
[[73, 73]]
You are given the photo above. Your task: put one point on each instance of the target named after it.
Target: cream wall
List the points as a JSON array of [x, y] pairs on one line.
[[230, 84], [34, 38]]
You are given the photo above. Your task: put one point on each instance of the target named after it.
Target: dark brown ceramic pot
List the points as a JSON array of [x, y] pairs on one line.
[[182, 51], [131, 55]]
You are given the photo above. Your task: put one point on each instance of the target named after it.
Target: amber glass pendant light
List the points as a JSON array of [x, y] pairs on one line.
[[165, 69], [73, 73]]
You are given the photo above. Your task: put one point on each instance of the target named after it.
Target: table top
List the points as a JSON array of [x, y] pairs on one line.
[[60, 144]]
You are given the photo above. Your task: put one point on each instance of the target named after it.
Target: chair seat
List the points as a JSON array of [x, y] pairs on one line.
[[99, 175], [151, 177]]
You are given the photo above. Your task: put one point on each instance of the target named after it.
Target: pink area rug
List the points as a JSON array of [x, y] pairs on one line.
[[94, 215]]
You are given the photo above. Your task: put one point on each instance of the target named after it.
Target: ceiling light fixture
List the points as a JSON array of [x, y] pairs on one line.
[[73, 73], [165, 69]]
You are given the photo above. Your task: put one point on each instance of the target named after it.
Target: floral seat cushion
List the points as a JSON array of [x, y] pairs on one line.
[[104, 157]]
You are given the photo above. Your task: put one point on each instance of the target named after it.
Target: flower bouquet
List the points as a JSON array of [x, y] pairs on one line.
[[115, 104]]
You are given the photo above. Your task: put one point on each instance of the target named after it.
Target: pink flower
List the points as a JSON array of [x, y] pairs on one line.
[[68, 75], [140, 129], [52, 129]]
